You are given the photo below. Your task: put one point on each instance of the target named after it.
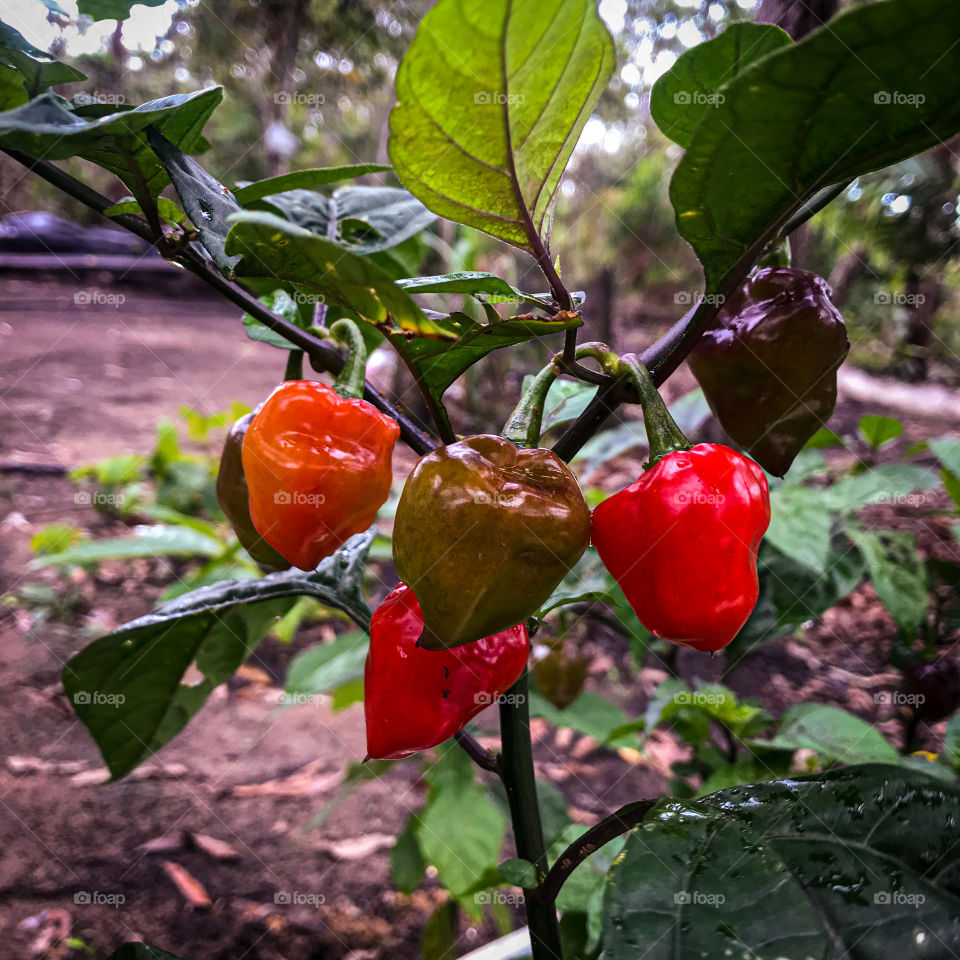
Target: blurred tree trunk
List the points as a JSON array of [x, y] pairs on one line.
[[600, 304], [846, 273], [922, 296]]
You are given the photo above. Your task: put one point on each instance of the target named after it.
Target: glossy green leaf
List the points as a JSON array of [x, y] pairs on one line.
[[45, 128], [127, 687], [878, 430], [460, 847], [304, 180], [363, 219], [111, 9], [207, 202], [469, 282], [320, 668], [690, 88], [491, 98], [298, 311], [35, 69], [834, 734], [855, 864], [898, 574], [876, 85], [276, 249], [166, 208]]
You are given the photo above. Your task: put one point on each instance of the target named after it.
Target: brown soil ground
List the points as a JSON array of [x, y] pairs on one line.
[[79, 384]]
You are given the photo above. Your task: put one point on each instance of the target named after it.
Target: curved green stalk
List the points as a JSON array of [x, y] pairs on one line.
[[663, 434], [350, 380]]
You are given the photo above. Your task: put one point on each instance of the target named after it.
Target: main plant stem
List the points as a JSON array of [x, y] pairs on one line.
[[516, 771]]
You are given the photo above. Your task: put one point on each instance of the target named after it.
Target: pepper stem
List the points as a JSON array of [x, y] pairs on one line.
[[524, 424], [294, 368], [350, 380], [663, 434]]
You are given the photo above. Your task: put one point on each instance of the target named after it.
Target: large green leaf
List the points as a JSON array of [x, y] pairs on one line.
[[362, 219], [835, 734], [159, 540], [275, 248], [876, 85], [491, 98], [46, 128], [321, 668], [36, 71], [460, 833], [128, 687], [681, 97], [207, 202], [857, 864], [304, 180], [799, 525]]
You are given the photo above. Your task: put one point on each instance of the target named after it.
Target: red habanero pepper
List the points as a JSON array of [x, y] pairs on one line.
[[415, 698], [318, 461], [682, 540]]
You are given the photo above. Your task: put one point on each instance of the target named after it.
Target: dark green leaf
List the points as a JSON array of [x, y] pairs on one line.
[[590, 714], [519, 873], [363, 219], [111, 9], [951, 483], [45, 128], [166, 208], [800, 525], [873, 87], [128, 688], [823, 438], [835, 734], [320, 668], [274, 248], [36, 70], [898, 574], [406, 861], [553, 810], [878, 430], [681, 97], [440, 933], [856, 863], [491, 98], [304, 180], [207, 202]]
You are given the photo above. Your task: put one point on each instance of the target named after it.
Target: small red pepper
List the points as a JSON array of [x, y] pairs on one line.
[[415, 698], [682, 541], [318, 468]]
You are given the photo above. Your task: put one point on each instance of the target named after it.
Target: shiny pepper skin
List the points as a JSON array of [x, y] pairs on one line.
[[682, 543], [769, 367], [318, 467], [483, 534], [234, 500], [416, 698]]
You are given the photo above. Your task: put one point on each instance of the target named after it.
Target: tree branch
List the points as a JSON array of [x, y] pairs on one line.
[[324, 358]]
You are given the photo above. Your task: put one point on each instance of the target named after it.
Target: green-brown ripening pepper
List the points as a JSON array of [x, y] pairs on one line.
[[769, 368], [233, 497], [484, 532]]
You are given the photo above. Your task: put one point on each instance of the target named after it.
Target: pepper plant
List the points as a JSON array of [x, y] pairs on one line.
[[491, 99]]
